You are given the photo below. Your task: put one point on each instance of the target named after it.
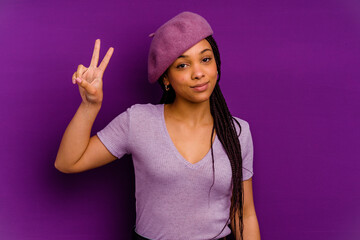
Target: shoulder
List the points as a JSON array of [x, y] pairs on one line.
[[244, 125], [139, 112], [244, 136], [145, 112], [140, 107], [144, 109]]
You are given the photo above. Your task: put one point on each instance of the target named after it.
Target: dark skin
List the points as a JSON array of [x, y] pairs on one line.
[[188, 119]]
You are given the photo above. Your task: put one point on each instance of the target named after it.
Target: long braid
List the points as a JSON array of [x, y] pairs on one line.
[[228, 137], [226, 132], [229, 140]]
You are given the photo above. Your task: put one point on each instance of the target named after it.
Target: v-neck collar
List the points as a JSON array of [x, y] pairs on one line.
[[175, 150]]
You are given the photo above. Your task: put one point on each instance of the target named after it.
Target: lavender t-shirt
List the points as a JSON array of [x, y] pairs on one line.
[[172, 194]]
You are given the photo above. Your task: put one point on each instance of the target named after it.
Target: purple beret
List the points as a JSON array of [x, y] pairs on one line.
[[172, 39]]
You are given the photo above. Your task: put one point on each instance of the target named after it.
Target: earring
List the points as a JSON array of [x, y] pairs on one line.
[[167, 87]]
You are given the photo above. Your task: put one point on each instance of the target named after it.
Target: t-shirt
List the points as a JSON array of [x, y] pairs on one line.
[[172, 195]]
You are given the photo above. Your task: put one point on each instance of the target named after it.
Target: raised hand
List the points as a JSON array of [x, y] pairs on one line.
[[89, 79]]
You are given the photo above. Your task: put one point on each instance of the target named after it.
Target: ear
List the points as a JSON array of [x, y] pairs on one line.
[[166, 79]]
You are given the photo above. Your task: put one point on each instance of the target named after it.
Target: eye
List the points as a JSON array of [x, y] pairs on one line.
[[207, 59], [180, 66]]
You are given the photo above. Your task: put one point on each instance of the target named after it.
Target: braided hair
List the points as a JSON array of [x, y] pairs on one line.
[[226, 131]]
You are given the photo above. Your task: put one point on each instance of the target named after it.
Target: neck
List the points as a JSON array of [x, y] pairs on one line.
[[192, 114]]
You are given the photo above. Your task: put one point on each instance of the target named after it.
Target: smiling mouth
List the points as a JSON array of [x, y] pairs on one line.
[[200, 85]]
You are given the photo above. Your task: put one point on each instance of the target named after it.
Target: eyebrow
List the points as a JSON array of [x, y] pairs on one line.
[[185, 56]]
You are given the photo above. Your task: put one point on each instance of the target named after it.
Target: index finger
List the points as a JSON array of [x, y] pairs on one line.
[[96, 52], [106, 59]]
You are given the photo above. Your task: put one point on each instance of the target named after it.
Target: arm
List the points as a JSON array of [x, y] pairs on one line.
[[78, 152], [251, 225]]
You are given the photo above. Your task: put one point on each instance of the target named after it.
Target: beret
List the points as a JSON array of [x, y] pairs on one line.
[[172, 39]]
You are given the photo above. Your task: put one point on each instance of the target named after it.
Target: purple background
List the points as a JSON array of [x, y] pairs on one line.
[[290, 68]]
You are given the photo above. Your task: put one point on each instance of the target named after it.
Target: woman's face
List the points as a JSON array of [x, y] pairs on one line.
[[193, 75]]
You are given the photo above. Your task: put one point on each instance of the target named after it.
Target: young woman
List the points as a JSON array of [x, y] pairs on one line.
[[192, 159]]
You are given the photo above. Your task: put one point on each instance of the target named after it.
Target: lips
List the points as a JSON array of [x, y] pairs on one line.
[[200, 85]]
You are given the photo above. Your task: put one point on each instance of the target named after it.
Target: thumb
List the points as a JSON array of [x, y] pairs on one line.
[[87, 86]]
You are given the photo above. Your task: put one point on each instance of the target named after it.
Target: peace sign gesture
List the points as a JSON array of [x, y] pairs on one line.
[[89, 79]]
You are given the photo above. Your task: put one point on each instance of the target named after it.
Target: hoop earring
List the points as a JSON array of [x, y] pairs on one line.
[[167, 87]]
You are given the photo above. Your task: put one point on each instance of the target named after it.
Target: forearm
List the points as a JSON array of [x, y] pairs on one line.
[[251, 228], [76, 137]]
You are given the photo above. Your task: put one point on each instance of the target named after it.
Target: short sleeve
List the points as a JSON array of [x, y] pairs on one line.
[[247, 151], [116, 134]]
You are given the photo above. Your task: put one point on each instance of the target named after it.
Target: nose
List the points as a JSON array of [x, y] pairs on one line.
[[197, 72]]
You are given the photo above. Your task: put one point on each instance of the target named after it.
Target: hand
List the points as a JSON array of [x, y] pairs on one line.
[[89, 79]]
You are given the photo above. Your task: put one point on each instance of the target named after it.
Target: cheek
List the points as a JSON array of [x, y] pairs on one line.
[[178, 79], [213, 70], [213, 74]]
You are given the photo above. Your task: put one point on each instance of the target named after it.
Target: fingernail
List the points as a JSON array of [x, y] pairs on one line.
[[78, 80]]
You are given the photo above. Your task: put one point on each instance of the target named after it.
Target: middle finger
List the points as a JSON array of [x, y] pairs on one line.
[[106, 59]]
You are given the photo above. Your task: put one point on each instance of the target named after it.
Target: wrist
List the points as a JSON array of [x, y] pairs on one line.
[[90, 108]]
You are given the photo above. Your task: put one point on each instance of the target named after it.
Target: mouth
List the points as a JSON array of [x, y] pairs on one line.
[[201, 87]]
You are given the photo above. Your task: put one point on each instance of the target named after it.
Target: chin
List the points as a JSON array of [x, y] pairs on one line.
[[200, 99]]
